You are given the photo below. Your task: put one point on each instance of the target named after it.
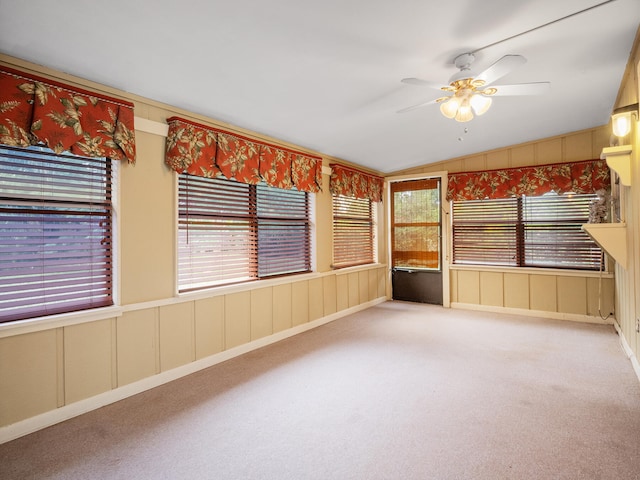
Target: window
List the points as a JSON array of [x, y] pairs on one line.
[[542, 231], [353, 231], [231, 232], [55, 233]]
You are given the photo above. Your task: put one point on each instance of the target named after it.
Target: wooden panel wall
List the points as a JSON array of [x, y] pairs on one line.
[[538, 291], [44, 370]]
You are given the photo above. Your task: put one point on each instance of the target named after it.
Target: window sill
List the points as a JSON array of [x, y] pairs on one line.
[[56, 321], [356, 268], [556, 272]]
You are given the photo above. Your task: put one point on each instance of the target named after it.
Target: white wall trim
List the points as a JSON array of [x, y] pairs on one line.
[[86, 316], [627, 350], [151, 126], [556, 272], [573, 317], [46, 419], [55, 321]]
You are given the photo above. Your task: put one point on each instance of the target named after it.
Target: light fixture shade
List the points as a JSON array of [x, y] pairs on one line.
[[464, 113], [621, 123], [480, 103], [450, 107]]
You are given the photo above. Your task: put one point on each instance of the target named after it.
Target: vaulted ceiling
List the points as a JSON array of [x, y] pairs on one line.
[[325, 75]]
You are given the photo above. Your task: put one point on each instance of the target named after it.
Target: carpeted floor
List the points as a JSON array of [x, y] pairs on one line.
[[399, 391]]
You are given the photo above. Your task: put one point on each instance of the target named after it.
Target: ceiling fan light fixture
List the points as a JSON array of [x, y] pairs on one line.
[[480, 103], [450, 108], [464, 113]]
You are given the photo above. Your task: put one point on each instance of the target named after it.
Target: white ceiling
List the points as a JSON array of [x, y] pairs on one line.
[[325, 75]]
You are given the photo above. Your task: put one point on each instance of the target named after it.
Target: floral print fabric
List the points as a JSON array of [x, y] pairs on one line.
[[354, 183], [306, 173], [35, 111], [238, 158], [208, 152], [578, 177]]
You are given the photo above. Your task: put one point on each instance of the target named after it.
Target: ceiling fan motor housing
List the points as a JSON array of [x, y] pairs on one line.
[[463, 62]]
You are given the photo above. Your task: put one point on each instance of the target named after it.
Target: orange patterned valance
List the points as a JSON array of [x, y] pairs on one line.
[[355, 183], [209, 152], [36, 110], [578, 177]]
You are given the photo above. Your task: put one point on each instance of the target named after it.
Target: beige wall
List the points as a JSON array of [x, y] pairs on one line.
[[628, 279], [70, 359], [569, 295], [537, 291], [570, 147]]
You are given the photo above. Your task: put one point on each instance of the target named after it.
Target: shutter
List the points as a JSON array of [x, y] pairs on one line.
[[485, 232], [55, 233], [353, 238]]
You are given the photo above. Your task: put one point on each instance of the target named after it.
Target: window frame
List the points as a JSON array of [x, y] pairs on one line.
[[253, 220], [520, 238], [54, 209]]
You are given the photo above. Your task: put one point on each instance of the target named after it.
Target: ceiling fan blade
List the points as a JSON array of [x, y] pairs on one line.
[[422, 83], [537, 88], [413, 107], [500, 68]]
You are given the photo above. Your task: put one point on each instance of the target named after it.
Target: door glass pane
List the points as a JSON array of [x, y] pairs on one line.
[[416, 224]]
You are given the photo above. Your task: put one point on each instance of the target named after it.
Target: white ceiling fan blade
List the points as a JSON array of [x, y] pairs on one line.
[[422, 83], [413, 107], [538, 88], [500, 68]]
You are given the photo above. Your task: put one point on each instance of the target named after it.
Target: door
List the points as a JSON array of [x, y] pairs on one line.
[[416, 241]]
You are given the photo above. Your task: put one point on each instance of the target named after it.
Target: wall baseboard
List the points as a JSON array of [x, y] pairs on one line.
[[46, 419], [573, 317], [627, 350]]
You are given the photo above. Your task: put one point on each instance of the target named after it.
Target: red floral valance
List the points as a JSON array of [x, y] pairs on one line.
[[35, 111], [578, 177], [209, 152], [355, 183]]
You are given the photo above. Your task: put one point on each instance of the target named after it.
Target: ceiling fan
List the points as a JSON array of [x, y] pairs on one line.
[[472, 93]]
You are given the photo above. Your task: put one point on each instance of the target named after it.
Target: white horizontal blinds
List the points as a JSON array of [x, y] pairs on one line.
[[283, 231], [485, 232], [553, 235], [353, 231], [230, 232], [216, 232], [55, 233]]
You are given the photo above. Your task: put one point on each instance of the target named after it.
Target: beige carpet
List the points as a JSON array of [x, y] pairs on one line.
[[399, 391]]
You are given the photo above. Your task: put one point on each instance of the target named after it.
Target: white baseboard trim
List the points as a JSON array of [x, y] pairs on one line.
[[627, 350], [46, 419], [573, 317]]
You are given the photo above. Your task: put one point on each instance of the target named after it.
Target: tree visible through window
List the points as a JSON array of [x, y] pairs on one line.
[[415, 229]]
